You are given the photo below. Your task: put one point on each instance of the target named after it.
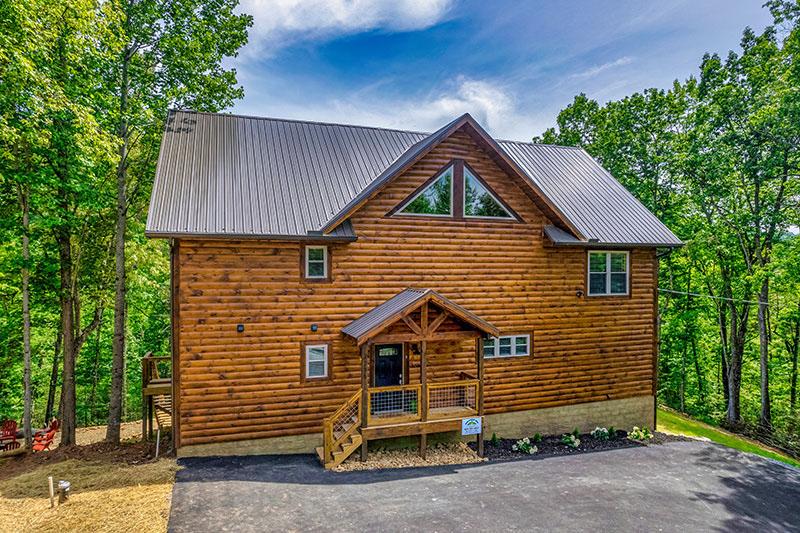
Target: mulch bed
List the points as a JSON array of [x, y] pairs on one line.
[[551, 446]]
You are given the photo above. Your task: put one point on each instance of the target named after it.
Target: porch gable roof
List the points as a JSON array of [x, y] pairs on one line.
[[402, 304]]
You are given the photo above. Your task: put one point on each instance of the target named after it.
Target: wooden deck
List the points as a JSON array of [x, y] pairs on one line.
[[154, 384]]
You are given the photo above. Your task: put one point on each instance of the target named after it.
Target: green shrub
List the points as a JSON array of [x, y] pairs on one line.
[[525, 446], [494, 440], [600, 433], [576, 433], [537, 437], [612, 432], [639, 434], [570, 440]]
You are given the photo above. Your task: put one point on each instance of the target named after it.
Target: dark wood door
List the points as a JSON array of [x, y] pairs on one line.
[[388, 365]]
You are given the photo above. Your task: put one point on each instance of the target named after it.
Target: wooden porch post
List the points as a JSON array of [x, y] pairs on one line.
[[479, 360], [365, 349], [423, 363]]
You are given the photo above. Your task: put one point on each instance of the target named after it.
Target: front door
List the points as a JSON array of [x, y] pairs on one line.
[[388, 365]]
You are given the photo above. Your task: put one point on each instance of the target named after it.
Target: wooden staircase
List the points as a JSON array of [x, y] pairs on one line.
[[341, 433]]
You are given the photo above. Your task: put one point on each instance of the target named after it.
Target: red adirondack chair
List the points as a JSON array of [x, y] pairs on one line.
[[8, 435], [44, 438]]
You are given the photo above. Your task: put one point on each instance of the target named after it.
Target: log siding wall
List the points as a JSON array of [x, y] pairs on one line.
[[249, 385]]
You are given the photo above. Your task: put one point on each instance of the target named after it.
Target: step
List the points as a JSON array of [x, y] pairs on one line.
[[347, 448]]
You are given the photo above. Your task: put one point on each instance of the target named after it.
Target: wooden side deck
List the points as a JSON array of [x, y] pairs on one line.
[[155, 383]]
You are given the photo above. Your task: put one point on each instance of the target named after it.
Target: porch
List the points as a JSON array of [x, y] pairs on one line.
[[393, 338]]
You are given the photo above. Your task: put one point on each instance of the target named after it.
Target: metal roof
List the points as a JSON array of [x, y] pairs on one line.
[[248, 177], [385, 314]]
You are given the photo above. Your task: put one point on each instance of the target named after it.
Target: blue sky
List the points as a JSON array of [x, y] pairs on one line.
[[416, 64]]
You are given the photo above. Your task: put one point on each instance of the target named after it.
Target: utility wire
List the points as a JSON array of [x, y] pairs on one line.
[[756, 302]]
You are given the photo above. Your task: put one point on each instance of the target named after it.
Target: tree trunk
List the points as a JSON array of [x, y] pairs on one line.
[[24, 197], [67, 407], [51, 392], [793, 347], [738, 331], [698, 371], [118, 364], [765, 420]]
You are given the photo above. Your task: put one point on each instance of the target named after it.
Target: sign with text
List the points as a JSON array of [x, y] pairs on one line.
[[471, 426]]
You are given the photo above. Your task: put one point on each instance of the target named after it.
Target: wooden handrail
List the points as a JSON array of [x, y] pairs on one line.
[[329, 440]]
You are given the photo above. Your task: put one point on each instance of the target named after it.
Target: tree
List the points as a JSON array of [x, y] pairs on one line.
[[165, 54]]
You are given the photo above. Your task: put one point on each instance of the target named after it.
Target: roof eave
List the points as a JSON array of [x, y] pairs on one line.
[[246, 236]]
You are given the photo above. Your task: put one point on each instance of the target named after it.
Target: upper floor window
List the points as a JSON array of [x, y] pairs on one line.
[[436, 199], [316, 262], [608, 273], [456, 192], [478, 201]]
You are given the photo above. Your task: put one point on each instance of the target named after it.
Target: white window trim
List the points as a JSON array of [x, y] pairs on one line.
[[513, 347], [608, 272], [400, 212], [324, 347], [496, 199], [324, 262]]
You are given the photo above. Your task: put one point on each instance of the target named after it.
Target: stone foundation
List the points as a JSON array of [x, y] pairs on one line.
[[622, 414]]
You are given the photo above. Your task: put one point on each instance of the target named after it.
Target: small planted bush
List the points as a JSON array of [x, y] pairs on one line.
[[537, 437], [525, 446], [601, 433], [612, 433], [639, 434], [571, 440], [494, 440]]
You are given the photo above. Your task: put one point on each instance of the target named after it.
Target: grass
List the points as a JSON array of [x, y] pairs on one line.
[[671, 422], [103, 497]]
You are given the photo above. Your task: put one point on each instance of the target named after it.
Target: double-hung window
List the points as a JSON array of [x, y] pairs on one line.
[[316, 361], [507, 346], [316, 262], [608, 273]]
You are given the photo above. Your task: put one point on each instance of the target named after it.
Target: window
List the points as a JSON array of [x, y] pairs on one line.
[[478, 201], [608, 273], [316, 361], [316, 262], [509, 346], [436, 199]]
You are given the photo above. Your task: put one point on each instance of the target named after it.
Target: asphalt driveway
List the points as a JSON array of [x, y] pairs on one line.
[[679, 486]]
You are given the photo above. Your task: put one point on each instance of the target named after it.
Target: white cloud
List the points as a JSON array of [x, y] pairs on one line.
[[490, 103], [594, 71], [277, 23]]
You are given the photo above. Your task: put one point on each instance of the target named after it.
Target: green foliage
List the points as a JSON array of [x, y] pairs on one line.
[[525, 446], [495, 440], [717, 158], [63, 66], [601, 433], [571, 440], [537, 437], [640, 434]]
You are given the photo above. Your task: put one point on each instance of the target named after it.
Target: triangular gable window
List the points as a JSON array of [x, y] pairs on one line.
[[478, 201], [456, 192], [436, 199]]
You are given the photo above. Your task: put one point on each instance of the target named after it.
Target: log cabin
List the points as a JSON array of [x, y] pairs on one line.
[[334, 284]]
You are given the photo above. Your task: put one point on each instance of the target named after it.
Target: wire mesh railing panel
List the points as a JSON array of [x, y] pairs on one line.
[[345, 420], [453, 396], [394, 403]]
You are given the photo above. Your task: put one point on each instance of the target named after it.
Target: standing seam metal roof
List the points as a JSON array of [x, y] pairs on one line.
[[237, 176]]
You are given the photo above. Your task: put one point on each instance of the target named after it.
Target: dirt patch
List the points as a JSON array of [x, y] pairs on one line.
[[440, 454], [130, 452]]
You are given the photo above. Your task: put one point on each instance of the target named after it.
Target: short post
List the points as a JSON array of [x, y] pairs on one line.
[[52, 492]]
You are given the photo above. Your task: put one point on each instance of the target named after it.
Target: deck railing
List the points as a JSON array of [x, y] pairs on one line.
[[394, 404], [453, 398], [341, 424]]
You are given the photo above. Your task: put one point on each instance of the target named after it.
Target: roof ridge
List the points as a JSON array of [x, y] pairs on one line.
[[361, 126], [300, 121]]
